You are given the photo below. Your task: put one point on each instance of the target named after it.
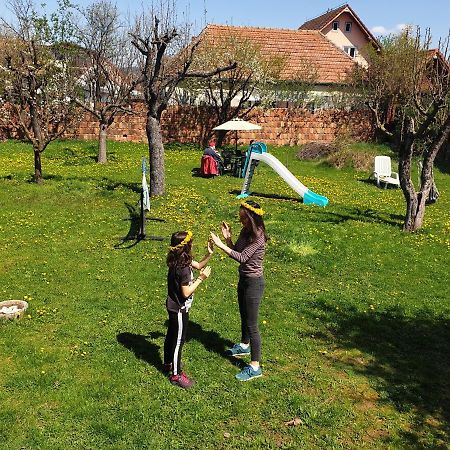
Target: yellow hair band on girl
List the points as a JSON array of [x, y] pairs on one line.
[[258, 211], [183, 242]]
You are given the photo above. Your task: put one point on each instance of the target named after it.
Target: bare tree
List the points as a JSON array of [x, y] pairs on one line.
[[407, 88], [167, 59], [109, 61], [236, 92], [38, 75]]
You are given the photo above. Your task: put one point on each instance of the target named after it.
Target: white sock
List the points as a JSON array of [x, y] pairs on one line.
[[244, 346], [255, 368]]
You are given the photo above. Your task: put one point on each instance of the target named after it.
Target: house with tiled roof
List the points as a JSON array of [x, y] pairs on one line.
[[307, 57], [297, 48], [325, 49], [345, 30]]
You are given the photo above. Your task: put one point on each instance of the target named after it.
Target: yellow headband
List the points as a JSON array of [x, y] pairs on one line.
[[183, 242], [258, 211]]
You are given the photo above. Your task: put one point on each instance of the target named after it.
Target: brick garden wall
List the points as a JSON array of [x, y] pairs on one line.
[[280, 126]]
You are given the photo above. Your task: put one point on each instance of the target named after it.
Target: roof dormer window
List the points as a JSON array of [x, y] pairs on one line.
[[348, 27], [351, 51], [335, 26]]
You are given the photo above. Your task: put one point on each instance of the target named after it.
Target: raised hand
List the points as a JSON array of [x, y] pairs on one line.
[[210, 246], [216, 239], [205, 272], [226, 230]]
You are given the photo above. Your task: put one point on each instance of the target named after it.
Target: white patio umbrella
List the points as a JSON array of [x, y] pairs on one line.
[[237, 125]]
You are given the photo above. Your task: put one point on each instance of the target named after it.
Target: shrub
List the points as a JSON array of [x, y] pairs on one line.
[[316, 150], [340, 154], [351, 157]]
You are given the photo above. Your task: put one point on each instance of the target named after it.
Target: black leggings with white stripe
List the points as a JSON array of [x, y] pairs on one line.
[[175, 339]]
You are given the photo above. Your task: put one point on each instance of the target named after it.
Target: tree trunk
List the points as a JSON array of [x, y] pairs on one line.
[[37, 166], [416, 202], [404, 171], [411, 212], [220, 137], [156, 156], [426, 181], [102, 135]]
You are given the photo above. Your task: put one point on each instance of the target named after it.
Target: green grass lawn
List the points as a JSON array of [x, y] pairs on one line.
[[355, 320]]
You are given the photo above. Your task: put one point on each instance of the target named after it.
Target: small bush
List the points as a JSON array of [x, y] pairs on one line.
[[359, 156], [340, 154], [352, 158], [316, 150]]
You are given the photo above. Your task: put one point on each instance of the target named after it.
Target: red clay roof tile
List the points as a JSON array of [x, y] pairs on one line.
[[301, 48], [318, 23]]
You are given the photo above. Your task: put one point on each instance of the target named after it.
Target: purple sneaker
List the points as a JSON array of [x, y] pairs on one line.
[[181, 380]]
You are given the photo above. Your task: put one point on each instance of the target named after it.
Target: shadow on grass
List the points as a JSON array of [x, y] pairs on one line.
[[147, 351], [359, 215], [265, 195], [442, 162], [212, 342], [103, 182], [134, 232], [196, 172], [408, 364], [142, 347], [319, 214], [383, 186]]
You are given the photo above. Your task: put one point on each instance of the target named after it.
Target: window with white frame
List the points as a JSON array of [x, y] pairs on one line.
[[351, 51], [335, 26], [348, 27]]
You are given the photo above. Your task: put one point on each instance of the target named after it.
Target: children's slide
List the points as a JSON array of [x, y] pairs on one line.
[[309, 197]]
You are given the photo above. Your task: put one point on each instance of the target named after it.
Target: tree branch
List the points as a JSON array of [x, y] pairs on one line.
[[380, 126], [211, 73], [142, 45], [87, 108]]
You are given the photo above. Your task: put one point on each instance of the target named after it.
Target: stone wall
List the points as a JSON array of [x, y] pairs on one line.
[[280, 126]]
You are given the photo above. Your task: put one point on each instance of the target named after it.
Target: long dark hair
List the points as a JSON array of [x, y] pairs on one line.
[[182, 256], [256, 222]]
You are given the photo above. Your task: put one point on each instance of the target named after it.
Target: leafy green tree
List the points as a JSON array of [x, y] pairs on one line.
[[38, 75]]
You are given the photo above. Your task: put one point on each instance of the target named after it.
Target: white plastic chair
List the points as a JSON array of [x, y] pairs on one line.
[[383, 172]]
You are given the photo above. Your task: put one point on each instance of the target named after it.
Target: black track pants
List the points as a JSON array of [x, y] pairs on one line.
[[175, 339]]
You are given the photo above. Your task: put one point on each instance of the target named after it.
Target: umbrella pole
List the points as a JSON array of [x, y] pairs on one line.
[[236, 141]]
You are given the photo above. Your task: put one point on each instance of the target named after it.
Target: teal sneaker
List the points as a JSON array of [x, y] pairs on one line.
[[248, 373], [237, 350]]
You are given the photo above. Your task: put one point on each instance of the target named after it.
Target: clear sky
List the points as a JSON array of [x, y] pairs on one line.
[[380, 16]]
